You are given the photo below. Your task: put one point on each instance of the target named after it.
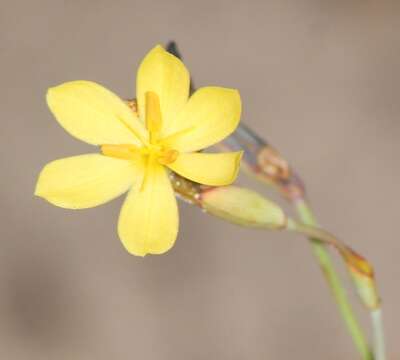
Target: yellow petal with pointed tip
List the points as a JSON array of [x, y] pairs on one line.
[[210, 115], [165, 75], [91, 113], [148, 223], [87, 180], [208, 169]]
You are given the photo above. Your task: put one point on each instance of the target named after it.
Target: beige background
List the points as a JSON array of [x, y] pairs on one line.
[[319, 79]]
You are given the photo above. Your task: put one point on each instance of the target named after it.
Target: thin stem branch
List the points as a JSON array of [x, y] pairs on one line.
[[378, 333], [321, 254], [278, 175]]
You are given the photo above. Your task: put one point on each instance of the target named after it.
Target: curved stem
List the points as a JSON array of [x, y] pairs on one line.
[[332, 278], [247, 140]]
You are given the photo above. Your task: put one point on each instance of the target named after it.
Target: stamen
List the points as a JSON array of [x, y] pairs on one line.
[[122, 151], [153, 115]]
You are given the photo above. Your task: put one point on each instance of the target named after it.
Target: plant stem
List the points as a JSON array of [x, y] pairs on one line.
[[338, 291], [245, 139], [379, 338]]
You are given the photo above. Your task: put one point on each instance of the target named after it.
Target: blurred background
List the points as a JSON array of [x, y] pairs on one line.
[[319, 79]]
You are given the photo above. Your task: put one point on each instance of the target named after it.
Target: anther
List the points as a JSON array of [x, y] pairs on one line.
[[123, 151], [168, 156], [153, 114]]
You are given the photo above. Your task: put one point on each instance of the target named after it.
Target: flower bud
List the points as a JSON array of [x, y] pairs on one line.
[[243, 207], [366, 289], [363, 278]]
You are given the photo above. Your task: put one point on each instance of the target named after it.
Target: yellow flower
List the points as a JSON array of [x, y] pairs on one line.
[[139, 147]]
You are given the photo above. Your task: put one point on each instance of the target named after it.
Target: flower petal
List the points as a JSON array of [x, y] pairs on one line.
[[87, 180], [91, 113], [210, 115], [209, 169], [164, 74], [148, 223]]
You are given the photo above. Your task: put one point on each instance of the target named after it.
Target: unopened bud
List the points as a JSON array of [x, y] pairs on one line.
[[363, 277], [366, 289], [361, 271], [243, 207]]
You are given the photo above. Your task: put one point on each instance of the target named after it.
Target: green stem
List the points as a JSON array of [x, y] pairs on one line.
[[338, 292], [379, 338]]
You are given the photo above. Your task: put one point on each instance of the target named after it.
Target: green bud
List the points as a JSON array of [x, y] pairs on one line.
[[366, 288], [243, 207]]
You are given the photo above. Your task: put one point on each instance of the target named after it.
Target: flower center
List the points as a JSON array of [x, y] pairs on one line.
[[153, 150], [163, 155]]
